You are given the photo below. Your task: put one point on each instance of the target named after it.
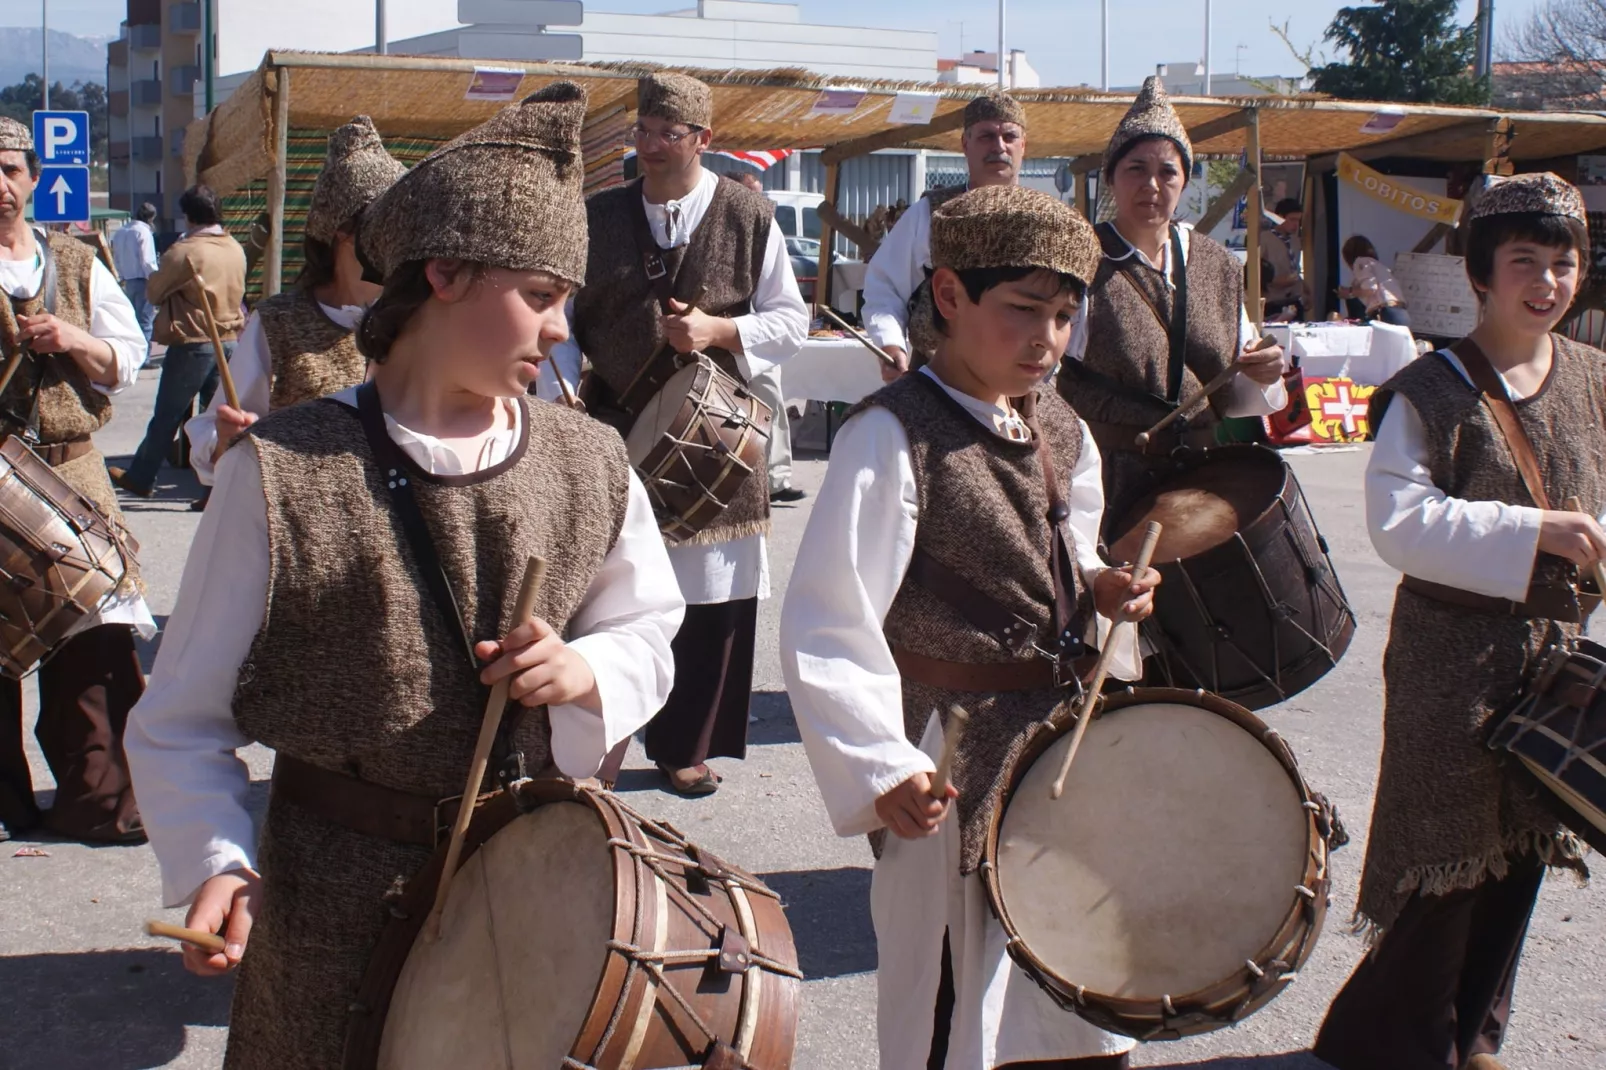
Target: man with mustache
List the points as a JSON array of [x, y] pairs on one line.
[[897, 302]]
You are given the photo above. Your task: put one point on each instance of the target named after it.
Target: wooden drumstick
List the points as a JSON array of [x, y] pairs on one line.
[[534, 573], [1101, 668], [1227, 375], [563, 384], [1572, 505], [208, 942], [224, 375], [957, 720], [886, 358]]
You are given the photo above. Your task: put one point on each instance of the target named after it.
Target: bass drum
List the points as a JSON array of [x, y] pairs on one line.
[[580, 934], [1198, 892], [1250, 607]]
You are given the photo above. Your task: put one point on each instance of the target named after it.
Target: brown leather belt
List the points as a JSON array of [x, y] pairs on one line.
[[1037, 674], [363, 806], [56, 454], [1544, 603], [1123, 437]]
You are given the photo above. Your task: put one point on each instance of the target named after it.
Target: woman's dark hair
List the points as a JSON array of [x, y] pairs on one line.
[[405, 292], [1357, 246], [1125, 150], [199, 205], [146, 213], [1289, 205], [1486, 235], [978, 281], [318, 262]]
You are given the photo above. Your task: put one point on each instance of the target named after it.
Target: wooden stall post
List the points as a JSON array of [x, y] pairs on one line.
[[1083, 184], [1497, 148], [1254, 293], [822, 281], [273, 268], [1307, 242]]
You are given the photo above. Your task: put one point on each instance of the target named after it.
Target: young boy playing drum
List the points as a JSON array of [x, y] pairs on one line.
[[309, 617], [951, 559], [1459, 841]]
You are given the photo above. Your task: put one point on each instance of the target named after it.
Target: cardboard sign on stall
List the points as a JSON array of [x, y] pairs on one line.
[[1339, 411]]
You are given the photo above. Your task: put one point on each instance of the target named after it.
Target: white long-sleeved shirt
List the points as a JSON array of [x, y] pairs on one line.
[[112, 320], [1484, 547], [1241, 397], [134, 251], [182, 738], [252, 368], [772, 333]]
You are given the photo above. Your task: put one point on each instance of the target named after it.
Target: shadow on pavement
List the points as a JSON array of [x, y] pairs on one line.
[[103, 1010], [1292, 1060], [829, 911], [774, 724]]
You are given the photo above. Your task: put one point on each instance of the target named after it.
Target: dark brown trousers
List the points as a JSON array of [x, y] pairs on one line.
[[1437, 988], [706, 714], [85, 692]]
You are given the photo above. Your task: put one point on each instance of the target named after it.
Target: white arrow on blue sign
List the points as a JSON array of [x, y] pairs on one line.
[[62, 195], [61, 137]]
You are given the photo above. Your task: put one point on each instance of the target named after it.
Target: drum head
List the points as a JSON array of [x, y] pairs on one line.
[[1171, 858], [1203, 506], [660, 414], [523, 943]]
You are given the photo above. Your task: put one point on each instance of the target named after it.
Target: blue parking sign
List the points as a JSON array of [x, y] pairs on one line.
[[61, 137], [62, 195]]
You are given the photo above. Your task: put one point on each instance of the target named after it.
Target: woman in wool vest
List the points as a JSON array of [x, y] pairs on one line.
[[306, 621], [1460, 840], [966, 481], [301, 344], [1120, 372]]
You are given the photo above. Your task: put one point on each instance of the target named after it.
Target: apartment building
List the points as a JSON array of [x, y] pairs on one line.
[[152, 74]]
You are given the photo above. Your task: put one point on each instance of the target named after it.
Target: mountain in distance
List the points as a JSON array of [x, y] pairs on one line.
[[72, 58]]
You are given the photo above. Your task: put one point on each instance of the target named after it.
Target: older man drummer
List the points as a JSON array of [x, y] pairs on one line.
[[995, 144], [86, 345]]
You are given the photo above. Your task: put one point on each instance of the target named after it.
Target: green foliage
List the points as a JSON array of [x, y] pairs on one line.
[[1406, 51], [20, 101]]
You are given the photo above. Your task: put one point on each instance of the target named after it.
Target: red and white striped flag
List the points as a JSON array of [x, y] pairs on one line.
[[761, 160]]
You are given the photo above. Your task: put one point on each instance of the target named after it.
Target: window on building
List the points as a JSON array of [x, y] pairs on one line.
[[786, 216], [811, 223]]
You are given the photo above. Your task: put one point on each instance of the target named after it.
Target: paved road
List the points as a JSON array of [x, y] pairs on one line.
[[82, 989]]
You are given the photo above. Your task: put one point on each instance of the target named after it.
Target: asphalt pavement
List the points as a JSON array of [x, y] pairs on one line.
[[82, 988]]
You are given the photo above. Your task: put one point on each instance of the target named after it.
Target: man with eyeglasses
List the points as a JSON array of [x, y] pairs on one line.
[[686, 258], [897, 304]]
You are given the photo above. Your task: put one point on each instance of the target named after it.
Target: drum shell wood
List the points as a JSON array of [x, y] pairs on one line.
[[1207, 1008], [756, 1008], [1557, 732], [1260, 615], [59, 558]]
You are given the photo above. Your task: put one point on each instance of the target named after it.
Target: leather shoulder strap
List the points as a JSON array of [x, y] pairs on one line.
[[1488, 382], [1176, 327], [652, 257]]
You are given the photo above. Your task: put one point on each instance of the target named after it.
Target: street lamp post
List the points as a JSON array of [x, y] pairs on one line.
[[44, 60], [1002, 84], [1104, 33], [1207, 66], [381, 44]]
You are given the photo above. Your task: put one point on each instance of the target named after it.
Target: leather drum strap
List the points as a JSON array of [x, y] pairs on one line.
[[1177, 327], [1487, 380], [1061, 563]]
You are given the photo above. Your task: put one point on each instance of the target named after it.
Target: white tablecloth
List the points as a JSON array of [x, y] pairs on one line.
[[1368, 354], [831, 369]]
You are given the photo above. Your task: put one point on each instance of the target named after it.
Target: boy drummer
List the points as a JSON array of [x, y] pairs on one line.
[[307, 619], [1459, 843], [951, 559]]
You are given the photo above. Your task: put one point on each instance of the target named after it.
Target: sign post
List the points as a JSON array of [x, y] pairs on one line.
[[61, 139]]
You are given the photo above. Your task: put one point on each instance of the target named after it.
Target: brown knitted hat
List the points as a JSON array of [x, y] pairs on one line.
[[1013, 226], [995, 105], [14, 136], [356, 170], [1151, 115], [1542, 194], [506, 193], [677, 98]]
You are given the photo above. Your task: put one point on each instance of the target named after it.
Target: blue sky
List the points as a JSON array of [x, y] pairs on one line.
[[1061, 37]]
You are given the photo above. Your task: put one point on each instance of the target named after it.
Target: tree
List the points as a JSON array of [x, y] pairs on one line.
[[1555, 61], [20, 101], [1409, 51]]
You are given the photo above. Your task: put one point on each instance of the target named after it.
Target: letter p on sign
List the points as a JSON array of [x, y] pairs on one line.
[[61, 137]]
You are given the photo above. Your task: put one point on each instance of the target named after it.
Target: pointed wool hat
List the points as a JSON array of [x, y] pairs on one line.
[[506, 194], [676, 98], [14, 136], [994, 106], [355, 172], [1013, 226], [1151, 115], [1544, 193]]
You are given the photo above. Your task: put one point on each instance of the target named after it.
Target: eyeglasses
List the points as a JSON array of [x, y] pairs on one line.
[[668, 137], [1008, 137]]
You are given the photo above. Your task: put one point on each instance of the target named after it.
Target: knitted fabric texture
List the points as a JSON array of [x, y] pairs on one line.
[[983, 508], [356, 670], [675, 98], [616, 319], [356, 171], [14, 136], [506, 193], [1544, 194], [311, 355], [1151, 115], [994, 106], [1012, 226], [1451, 813]]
